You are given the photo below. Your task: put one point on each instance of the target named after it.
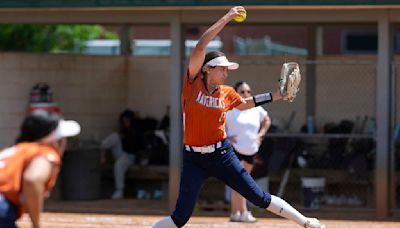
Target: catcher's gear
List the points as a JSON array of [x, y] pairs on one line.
[[289, 81]]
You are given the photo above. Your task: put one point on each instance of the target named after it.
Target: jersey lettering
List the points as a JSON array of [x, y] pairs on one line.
[[204, 120], [210, 101]]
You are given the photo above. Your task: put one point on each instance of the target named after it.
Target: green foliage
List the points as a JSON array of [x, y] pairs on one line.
[[49, 38]]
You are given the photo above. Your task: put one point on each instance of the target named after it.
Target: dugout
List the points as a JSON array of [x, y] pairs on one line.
[[124, 71]]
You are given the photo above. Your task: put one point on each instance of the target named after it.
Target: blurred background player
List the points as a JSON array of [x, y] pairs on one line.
[[123, 145], [245, 131], [29, 169], [207, 152]]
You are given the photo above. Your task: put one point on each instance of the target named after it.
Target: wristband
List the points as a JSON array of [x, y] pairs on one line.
[[261, 99]]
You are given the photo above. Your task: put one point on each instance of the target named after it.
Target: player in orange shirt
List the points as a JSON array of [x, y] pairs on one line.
[[207, 152], [29, 169]]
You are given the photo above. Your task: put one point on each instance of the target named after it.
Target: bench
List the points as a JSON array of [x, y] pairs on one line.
[[337, 181], [333, 176], [157, 177], [139, 177], [151, 172]]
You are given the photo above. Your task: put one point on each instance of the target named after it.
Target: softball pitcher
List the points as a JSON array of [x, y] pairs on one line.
[[207, 152]]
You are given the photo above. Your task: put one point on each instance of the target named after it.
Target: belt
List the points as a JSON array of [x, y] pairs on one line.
[[204, 149]]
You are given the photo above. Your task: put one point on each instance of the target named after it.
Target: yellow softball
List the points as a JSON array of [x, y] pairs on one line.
[[241, 17]]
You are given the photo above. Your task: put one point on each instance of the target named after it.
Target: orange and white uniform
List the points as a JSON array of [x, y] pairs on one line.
[[204, 113], [14, 160]]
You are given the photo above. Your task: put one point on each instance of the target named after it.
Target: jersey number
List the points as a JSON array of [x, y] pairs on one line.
[[222, 117]]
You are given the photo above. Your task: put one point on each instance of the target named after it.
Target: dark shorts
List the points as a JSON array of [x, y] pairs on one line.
[[8, 213], [222, 164], [248, 158]]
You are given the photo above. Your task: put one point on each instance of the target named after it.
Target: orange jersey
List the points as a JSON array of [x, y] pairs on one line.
[[14, 160], [204, 113]]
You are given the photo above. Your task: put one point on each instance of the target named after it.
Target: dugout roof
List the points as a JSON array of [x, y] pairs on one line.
[[163, 3]]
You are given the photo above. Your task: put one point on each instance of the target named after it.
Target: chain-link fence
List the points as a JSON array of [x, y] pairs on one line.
[[345, 116], [325, 159]]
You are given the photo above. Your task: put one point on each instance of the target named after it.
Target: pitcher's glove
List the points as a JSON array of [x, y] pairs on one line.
[[289, 81]]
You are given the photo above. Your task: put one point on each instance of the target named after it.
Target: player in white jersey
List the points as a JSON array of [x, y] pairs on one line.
[[246, 130]]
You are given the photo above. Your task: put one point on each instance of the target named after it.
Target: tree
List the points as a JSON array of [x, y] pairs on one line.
[[49, 38]]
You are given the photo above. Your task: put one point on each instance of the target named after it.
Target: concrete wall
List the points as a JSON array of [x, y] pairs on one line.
[[95, 89], [149, 85], [91, 90]]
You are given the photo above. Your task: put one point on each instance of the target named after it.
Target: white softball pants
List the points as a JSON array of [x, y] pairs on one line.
[[122, 159]]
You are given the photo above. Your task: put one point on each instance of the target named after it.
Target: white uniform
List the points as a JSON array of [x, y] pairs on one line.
[[122, 159], [245, 125]]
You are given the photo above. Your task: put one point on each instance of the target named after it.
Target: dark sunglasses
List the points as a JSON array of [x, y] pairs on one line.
[[245, 91]]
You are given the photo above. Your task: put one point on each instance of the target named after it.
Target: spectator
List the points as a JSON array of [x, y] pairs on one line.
[[29, 169], [123, 145], [245, 130], [156, 143], [164, 125]]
